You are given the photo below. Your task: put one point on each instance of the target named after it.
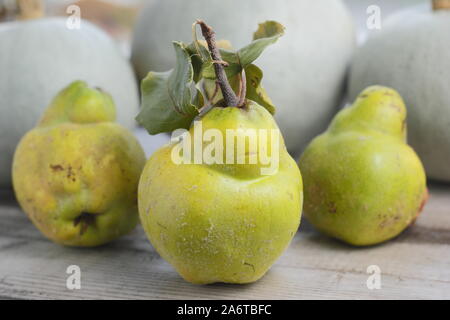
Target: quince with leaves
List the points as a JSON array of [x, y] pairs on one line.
[[217, 222]]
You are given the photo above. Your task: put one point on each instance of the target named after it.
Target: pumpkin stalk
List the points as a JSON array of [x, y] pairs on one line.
[[30, 9], [441, 5], [219, 66]]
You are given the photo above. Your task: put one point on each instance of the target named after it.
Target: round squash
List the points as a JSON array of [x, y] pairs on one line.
[[40, 57], [304, 73], [411, 54]]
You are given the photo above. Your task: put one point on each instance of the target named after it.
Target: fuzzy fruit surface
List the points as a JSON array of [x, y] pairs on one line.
[[76, 173], [363, 183], [221, 223]]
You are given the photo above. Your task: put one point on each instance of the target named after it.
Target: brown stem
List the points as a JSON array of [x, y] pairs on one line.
[[242, 88], [228, 94], [441, 4]]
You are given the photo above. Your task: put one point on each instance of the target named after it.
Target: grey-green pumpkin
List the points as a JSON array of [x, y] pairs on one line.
[[40, 57], [411, 53], [304, 73]]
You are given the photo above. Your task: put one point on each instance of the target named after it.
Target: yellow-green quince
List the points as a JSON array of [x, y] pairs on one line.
[[76, 174]]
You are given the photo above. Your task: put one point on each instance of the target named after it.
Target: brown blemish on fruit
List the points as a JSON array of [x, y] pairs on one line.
[[250, 265], [291, 196], [85, 219], [56, 167], [70, 174], [332, 207], [390, 221], [424, 200], [421, 206], [162, 226]]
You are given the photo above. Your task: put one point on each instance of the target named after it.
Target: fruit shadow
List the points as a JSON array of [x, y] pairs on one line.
[[437, 184], [308, 232], [7, 197]]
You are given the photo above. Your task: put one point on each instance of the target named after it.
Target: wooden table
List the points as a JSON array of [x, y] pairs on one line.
[[416, 265]]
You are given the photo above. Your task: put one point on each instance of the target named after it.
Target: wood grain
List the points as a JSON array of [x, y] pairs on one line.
[[416, 265]]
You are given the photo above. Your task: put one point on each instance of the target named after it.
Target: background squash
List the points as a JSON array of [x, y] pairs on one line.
[[40, 57], [411, 54], [304, 73]]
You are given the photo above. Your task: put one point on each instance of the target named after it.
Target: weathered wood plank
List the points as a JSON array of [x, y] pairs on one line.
[[416, 265]]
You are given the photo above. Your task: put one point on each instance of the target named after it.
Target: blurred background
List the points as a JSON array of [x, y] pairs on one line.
[[118, 17]]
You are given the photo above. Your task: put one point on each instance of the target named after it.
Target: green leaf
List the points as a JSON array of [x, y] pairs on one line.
[[268, 33], [231, 70], [202, 61], [169, 99], [255, 91], [198, 54], [268, 29]]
